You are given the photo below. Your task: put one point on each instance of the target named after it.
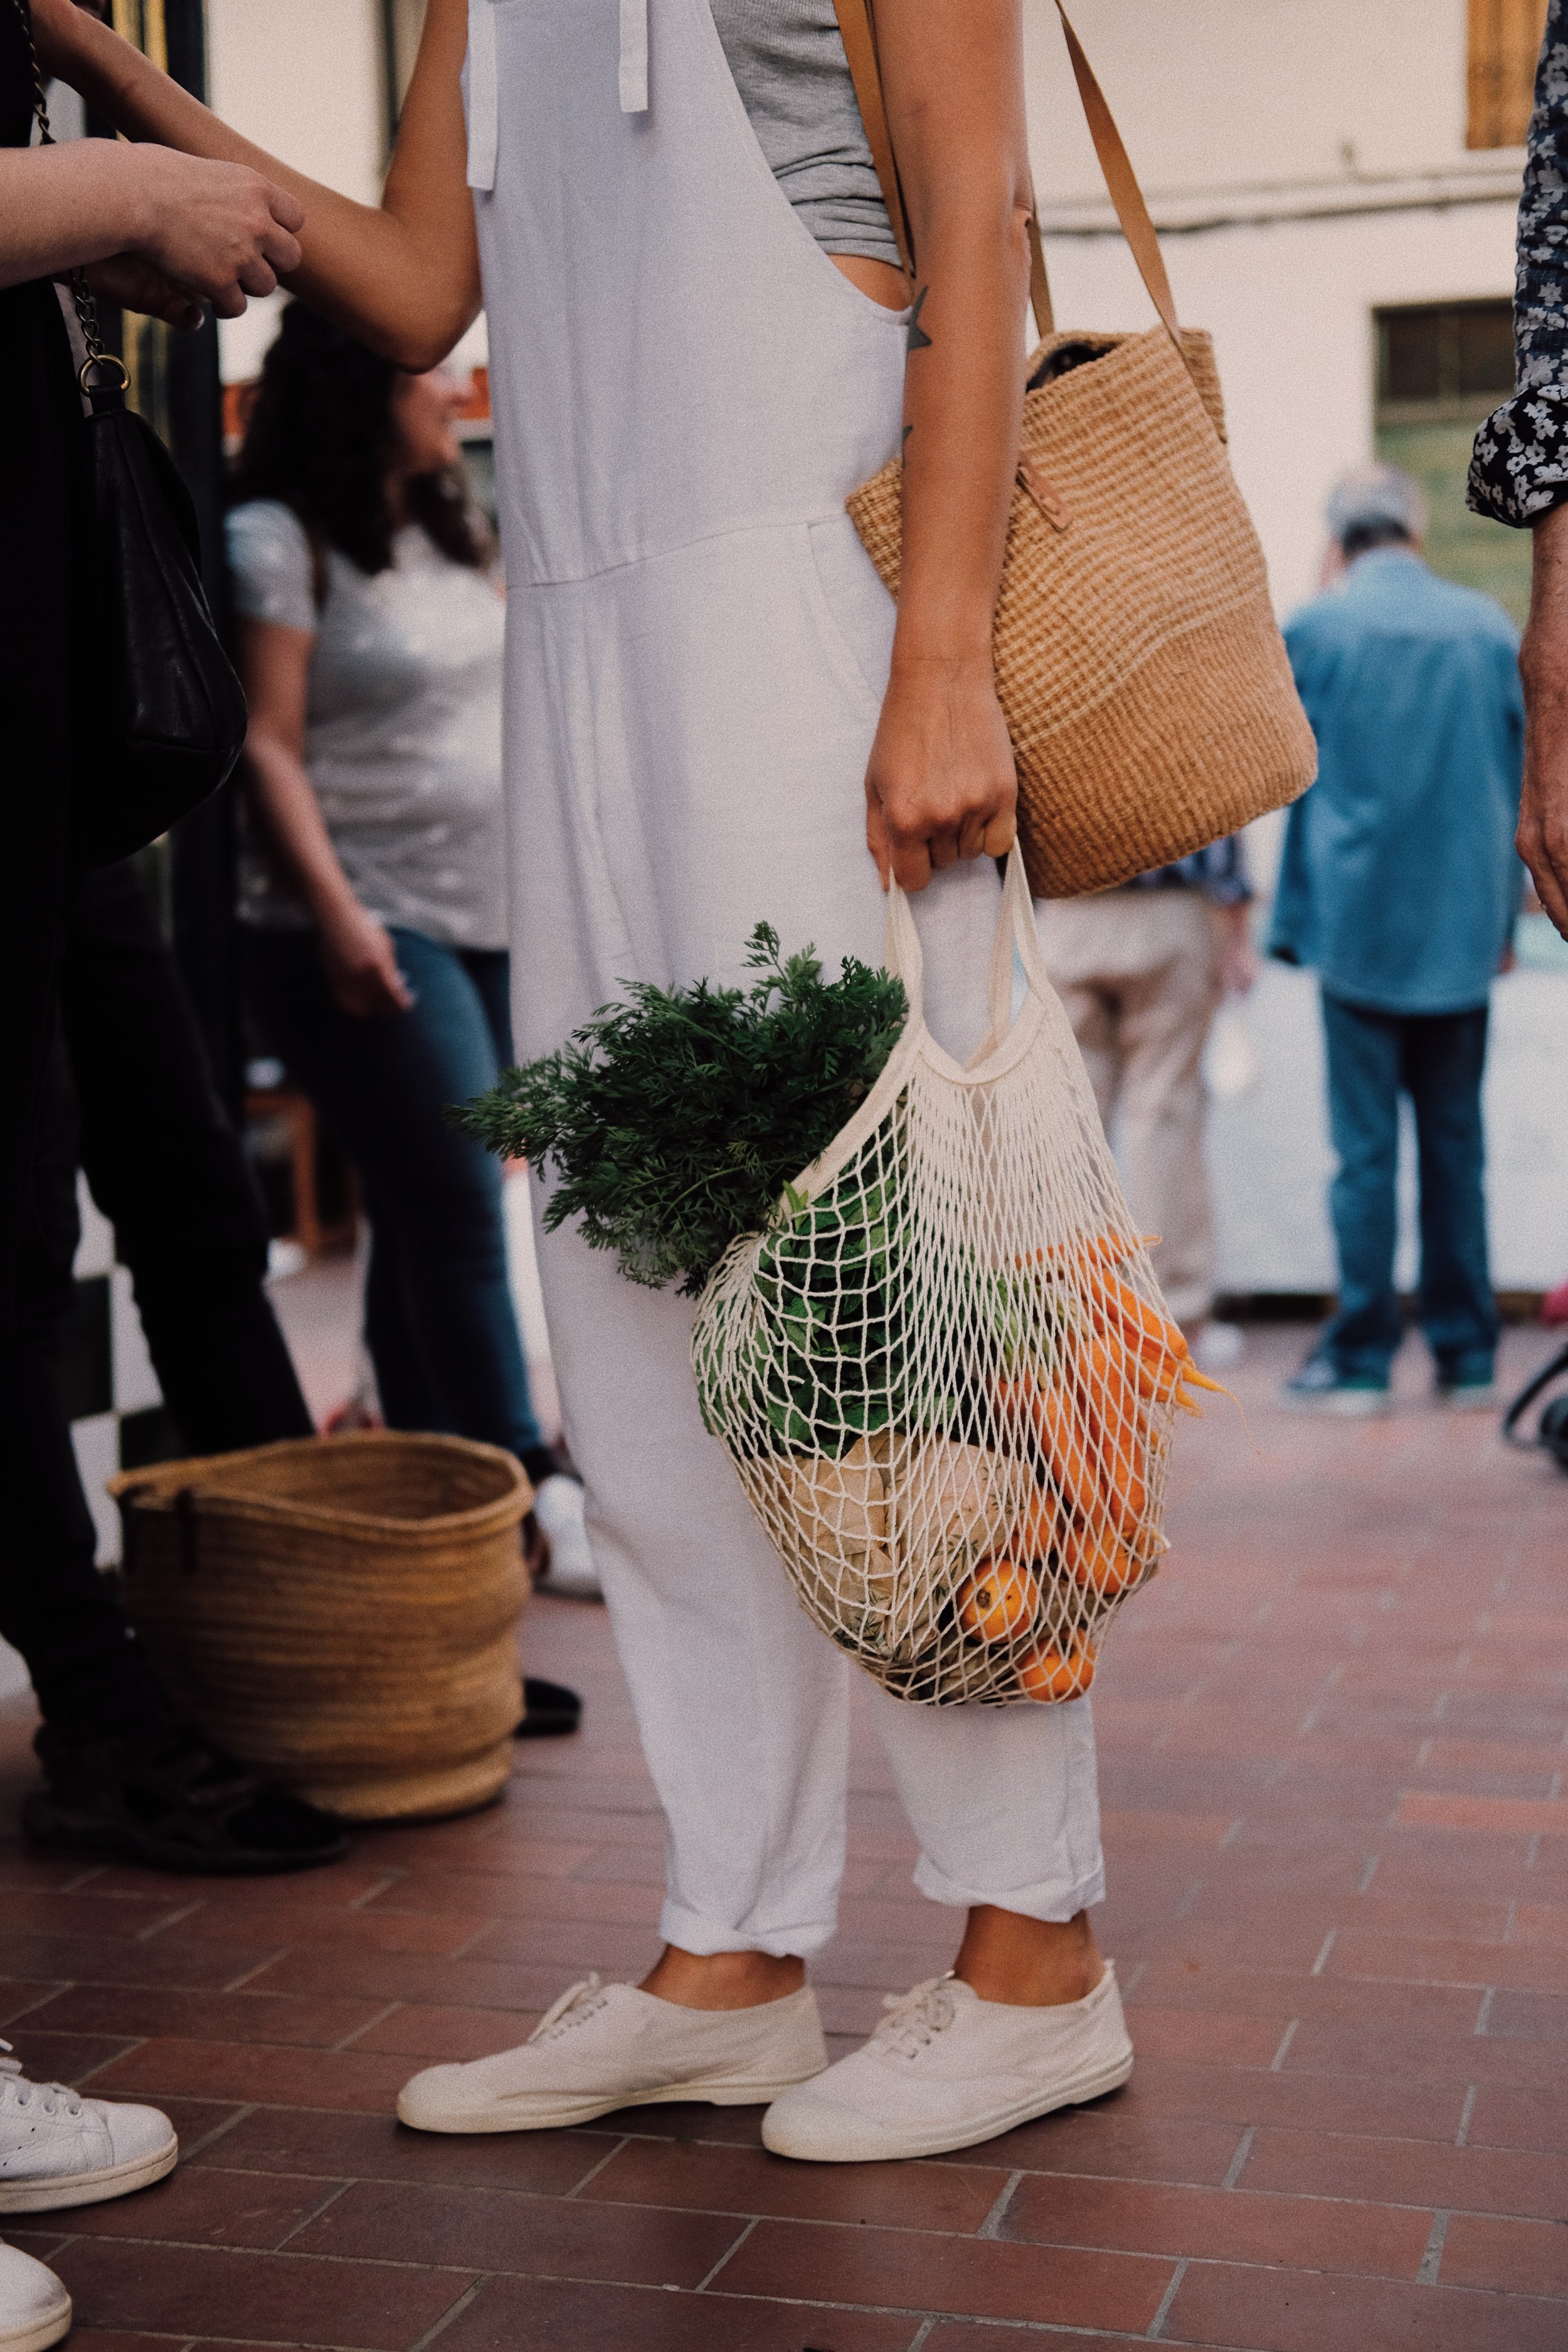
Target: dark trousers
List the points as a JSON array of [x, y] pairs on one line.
[[127, 1093], [1437, 1060], [439, 1321]]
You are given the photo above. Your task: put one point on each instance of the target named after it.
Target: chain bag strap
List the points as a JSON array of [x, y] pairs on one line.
[[157, 721], [82, 296]]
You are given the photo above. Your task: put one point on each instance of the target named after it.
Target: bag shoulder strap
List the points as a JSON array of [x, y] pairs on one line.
[[857, 24]]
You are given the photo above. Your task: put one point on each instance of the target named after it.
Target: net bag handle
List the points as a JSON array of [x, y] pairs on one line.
[[904, 958]]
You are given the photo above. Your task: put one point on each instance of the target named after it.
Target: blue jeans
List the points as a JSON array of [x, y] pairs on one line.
[[1437, 1059], [438, 1316]]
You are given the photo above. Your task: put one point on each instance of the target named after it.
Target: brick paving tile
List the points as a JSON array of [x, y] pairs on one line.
[[1339, 1871], [1407, 2172], [96, 1959], [280, 2298], [894, 2268], [246, 2016], [373, 2147], [72, 2058], [1509, 2115], [318, 2078], [555, 2317], [198, 2206], [514, 2232], [947, 2196], [1306, 2310], [1522, 2257], [1219, 2224], [1116, 2141]]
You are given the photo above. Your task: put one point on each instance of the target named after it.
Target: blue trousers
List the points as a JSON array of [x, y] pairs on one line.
[[439, 1316], [1437, 1060]]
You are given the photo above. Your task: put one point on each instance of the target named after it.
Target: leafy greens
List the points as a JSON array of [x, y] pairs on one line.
[[675, 1121]]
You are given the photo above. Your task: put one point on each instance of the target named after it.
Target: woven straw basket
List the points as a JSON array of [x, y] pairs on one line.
[[1143, 679], [339, 1611]]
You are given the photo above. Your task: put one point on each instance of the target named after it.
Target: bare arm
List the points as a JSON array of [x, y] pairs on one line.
[[360, 959], [404, 277], [940, 784], [208, 231], [1543, 664]]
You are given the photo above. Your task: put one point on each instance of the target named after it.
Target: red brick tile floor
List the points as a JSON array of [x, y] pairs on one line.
[[1334, 1734]]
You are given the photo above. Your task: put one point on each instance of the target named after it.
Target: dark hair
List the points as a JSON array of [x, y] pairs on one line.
[[319, 436], [1363, 537]]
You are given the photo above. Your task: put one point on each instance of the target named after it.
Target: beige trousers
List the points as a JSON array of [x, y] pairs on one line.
[[1138, 971]]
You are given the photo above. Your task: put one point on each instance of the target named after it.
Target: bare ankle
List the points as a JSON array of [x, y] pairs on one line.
[[723, 1980], [1028, 1963]]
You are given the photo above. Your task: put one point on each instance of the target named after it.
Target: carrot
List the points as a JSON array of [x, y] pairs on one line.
[[1102, 1563], [1048, 1416], [1043, 1527], [1115, 1303], [1117, 1422]]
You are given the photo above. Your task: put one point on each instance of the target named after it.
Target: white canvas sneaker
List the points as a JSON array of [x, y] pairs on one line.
[[57, 2148], [558, 1508], [947, 2070], [607, 2046], [35, 2308]]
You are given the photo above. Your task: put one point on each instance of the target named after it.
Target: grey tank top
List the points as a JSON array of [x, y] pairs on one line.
[[788, 62]]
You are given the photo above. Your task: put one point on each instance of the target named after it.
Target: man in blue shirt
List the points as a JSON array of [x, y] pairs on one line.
[[1399, 884]]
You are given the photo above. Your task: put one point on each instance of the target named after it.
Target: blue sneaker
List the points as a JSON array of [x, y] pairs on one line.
[[1321, 1387]]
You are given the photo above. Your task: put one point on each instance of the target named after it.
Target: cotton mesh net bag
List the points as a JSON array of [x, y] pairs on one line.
[[945, 1374]]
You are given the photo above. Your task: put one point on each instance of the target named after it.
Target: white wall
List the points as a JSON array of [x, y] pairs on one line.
[[304, 80], [1217, 92]]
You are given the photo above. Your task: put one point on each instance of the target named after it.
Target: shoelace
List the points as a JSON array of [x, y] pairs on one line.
[[915, 2019], [16, 2091], [577, 2005]]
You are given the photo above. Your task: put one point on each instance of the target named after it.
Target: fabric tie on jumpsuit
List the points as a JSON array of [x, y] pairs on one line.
[[685, 388]]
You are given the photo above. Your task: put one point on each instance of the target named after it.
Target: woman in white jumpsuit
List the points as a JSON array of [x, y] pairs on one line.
[[686, 386]]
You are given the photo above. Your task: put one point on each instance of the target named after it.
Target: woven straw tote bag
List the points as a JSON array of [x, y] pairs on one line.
[[1143, 679], [945, 1374], [339, 1611]]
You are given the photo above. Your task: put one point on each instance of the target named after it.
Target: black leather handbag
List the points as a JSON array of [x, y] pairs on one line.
[[159, 720]]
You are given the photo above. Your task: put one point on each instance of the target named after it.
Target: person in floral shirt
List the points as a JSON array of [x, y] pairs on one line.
[[1519, 471]]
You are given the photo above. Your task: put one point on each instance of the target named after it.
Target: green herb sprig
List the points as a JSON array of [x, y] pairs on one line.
[[673, 1121]]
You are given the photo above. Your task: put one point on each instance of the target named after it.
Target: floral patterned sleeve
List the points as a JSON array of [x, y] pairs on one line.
[[1520, 470]]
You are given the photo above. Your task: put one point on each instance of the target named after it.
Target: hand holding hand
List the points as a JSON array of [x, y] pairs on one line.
[[361, 964], [218, 230], [940, 783]]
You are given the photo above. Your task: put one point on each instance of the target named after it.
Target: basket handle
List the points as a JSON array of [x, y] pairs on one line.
[[857, 25]]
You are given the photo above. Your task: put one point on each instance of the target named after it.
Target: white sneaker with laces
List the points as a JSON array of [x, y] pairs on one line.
[[558, 1508], [606, 2046], [34, 2309], [947, 2070], [57, 2148]]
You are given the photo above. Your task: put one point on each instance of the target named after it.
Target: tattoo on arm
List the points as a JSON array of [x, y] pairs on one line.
[[917, 338], [904, 439]]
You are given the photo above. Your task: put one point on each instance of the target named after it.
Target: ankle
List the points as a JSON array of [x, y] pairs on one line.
[[723, 1980], [1028, 1963]]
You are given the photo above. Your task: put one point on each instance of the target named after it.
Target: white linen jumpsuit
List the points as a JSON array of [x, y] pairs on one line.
[[685, 389]]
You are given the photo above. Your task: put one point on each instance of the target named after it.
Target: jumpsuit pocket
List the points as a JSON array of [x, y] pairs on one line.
[[853, 610]]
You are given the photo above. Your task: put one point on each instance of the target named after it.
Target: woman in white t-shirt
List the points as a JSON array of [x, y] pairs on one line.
[[372, 880]]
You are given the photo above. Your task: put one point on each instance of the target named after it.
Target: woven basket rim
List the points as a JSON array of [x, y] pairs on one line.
[[155, 1486]]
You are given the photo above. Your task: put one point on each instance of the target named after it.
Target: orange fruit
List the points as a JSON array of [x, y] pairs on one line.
[[1050, 1674], [998, 1601]]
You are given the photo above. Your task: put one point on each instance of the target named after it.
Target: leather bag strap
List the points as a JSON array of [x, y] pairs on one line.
[[857, 25]]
